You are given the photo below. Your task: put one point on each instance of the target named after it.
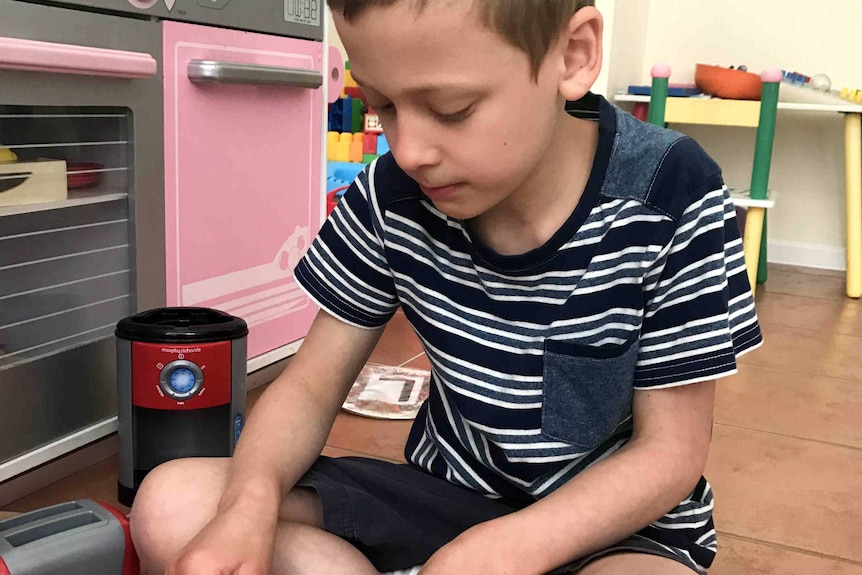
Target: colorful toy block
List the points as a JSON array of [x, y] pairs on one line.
[[372, 124]]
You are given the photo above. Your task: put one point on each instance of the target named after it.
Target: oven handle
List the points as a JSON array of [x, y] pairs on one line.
[[37, 56], [211, 71]]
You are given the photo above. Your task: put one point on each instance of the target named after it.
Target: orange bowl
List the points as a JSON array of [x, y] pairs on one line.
[[727, 83]]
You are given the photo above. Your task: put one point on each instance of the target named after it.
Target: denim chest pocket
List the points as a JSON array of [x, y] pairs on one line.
[[587, 391]]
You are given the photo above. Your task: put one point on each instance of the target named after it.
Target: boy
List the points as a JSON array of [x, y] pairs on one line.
[[578, 284]]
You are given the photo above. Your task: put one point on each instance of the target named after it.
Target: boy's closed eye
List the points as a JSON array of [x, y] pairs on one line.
[[442, 113], [446, 105]]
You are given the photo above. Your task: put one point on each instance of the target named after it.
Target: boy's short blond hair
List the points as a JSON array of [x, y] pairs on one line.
[[529, 25]]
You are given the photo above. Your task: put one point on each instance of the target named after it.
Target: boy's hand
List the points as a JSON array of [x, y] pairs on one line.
[[232, 543], [486, 549]]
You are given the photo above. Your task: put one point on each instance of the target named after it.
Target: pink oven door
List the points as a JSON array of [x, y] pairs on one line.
[[243, 123]]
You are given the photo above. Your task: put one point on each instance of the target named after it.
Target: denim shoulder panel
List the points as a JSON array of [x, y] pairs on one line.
[[638, 153]]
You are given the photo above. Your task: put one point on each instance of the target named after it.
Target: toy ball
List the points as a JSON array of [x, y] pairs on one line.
[[821, 82]]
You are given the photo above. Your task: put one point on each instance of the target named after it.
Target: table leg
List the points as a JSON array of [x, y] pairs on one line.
[[853, 166], [751, 243]]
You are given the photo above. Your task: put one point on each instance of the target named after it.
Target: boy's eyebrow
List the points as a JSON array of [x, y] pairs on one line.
[[423, 88]]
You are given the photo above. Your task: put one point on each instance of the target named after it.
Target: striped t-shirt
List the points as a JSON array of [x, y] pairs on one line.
[[535, 357]]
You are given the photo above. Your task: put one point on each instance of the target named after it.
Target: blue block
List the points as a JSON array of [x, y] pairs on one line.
[[341, 115], [382, 145], [340, 174]]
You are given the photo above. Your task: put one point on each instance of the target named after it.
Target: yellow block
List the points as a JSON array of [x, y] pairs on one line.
[[349, 82], [342, 152], [714, 112], [331, 143], [346, 137]]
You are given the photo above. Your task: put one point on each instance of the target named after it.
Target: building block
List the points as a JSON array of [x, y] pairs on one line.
[[355, 152], [342, 152], [357, 117], [341, 115], [340, 174], [332, 139], [368, 158], [349, 83], [345, 137], [382, 145], [372, 124], [369, 144], [354, 93]]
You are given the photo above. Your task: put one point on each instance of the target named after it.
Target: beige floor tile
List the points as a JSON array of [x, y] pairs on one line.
[[808, 352], [838, 316], [383, 439], [421, 362], [798, 405], [794, 492], [740, 557], [827, 285]]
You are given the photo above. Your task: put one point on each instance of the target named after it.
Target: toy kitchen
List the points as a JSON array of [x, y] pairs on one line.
[[152, 153]]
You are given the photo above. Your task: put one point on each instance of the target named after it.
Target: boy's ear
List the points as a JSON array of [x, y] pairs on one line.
[[581, 47]]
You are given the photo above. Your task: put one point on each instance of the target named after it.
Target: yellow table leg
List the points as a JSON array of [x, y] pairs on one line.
[[751, 243], [853, 164]]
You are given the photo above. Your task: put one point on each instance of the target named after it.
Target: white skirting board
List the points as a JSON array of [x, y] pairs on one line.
[[64, 445], [807, 255]]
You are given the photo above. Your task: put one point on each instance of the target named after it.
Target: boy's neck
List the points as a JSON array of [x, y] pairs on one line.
[[532, 214]]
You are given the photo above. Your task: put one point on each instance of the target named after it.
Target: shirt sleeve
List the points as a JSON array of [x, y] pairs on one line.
[[345, 269], [699, 311]]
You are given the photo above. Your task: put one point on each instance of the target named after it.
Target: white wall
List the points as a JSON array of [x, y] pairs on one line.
[[803, 35]]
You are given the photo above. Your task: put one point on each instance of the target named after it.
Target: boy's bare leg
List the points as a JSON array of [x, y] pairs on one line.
[[635, 564], [180, 497]]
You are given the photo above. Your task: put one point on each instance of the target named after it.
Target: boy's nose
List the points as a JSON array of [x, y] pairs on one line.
[[414, 148]]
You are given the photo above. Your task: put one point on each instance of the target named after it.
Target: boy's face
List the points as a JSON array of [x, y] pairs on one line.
[[459, 105]]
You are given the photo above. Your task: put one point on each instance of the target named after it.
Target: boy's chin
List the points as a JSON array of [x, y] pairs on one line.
[[458, 210]]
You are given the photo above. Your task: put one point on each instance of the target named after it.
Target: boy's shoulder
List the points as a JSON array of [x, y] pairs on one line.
[[665, 170]]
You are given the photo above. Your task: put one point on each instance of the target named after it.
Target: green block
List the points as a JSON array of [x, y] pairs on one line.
[[368, 158], [357, 118]]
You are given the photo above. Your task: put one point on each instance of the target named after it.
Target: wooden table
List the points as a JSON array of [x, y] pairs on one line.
[[717, 112]]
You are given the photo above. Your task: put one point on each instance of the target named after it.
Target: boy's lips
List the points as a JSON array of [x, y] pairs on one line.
[[440, 192]]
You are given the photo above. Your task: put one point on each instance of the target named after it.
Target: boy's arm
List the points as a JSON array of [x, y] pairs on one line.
[[293, 417], [604, 504], [285, 433]]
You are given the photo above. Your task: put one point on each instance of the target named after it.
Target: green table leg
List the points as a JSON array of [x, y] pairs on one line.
[[658, 94]]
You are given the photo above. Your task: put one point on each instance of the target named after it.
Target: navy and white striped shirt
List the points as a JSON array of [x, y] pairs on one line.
[[535, 357]]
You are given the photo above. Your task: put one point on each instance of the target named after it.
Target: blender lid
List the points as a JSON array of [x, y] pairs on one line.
[[181, 325]]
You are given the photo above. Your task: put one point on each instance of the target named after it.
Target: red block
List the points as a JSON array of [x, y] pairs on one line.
[[354, 92], [369, 144]]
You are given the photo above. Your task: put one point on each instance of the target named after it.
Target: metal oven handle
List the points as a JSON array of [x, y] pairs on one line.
[[211, 71], [36, 56]]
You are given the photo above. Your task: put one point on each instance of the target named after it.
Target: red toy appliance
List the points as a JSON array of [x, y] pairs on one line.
[[181, 388]]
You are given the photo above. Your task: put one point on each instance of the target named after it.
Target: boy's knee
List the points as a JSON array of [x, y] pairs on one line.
[[174, 502]]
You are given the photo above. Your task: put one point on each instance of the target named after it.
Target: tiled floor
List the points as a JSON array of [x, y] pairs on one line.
[[786, 459]]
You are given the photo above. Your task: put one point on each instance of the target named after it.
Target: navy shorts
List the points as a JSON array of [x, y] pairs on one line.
[[398, 515]]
